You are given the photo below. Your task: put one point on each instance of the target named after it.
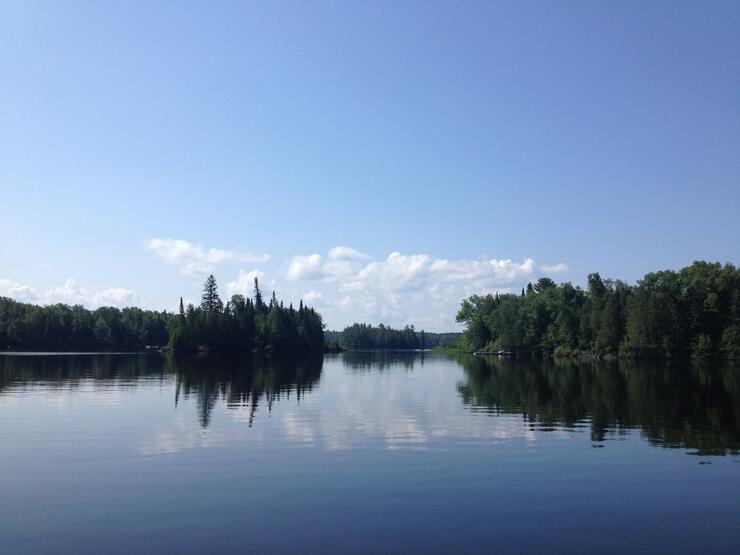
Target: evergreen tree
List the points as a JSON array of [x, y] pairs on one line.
[[209, 300], [258, 304], [241, 327]]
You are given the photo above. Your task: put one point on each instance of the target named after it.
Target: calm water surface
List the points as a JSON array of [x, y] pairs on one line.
[[366, 452]]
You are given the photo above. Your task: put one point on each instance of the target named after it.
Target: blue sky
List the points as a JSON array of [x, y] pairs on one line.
[[448, 148]]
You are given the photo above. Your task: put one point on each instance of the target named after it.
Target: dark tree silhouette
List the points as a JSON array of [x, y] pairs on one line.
[[210, 300]]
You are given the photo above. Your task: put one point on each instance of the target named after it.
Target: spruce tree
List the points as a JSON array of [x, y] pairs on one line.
[[210, 300], [257, 296]]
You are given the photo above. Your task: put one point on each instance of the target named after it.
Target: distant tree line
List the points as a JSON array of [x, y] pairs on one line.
[[692, 311], [245, 324], [74, 328], [367, 336], [358, 336]]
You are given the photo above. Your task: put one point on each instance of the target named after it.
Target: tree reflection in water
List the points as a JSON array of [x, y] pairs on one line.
[[239, 381], [381, 360], [242, 382], [674, 405]]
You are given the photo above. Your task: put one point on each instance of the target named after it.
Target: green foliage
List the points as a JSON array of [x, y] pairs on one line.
[[333, 347], [427, 340], [74, 328], [702, 347], [365, 336], [730, 344], [245, 325], [694, 310], [210, 301], [242, 325]]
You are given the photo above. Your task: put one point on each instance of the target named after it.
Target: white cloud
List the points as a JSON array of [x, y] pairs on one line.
[[18, 291], [117, 296], [353, 287], [342, 263], [347, 253], [313, 298], [406, 272], [560, 268], [192, 259], [345, 284], [244, 283], [305, 268], [70, 293]]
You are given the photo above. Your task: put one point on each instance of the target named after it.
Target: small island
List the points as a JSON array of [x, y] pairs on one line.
[[245, 325]]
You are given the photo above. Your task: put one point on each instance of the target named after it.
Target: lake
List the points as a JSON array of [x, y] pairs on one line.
[[366, 452]]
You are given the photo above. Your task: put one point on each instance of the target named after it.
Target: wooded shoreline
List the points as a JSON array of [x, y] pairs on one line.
[[669, 314], [691, 312]]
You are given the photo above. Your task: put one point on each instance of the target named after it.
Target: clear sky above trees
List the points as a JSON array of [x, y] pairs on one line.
[[586, 137]]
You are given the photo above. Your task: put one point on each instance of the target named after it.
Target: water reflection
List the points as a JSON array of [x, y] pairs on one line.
[[683, 406], [409, 399], [242, 382], [178, 454], [69, 371], [367, 361]]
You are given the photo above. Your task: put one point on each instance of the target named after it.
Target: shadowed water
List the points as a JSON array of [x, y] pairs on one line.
[[366, 452]]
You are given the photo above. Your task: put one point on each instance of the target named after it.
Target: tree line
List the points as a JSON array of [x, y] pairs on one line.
[[242, 324], [63, 327], [367, 336], [245, 324], [695, 311], [385, 337]]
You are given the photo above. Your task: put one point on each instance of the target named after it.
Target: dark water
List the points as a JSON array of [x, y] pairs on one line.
[[362, 452]]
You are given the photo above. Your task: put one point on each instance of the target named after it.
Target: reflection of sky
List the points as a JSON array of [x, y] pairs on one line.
[[395, 451], [404, 406], [396, 409], [393, 409]]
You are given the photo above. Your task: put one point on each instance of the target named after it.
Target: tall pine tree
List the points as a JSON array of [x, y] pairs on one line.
[[258, 304], [210, 300]]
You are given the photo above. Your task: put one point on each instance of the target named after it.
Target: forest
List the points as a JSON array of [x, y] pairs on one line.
[[367, 336], [242, 324], [694, 311], [61, 327], [245, 324]]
